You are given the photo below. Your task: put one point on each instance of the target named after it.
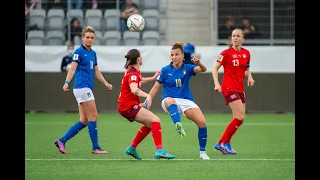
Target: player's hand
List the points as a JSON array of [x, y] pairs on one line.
[[250, 82], [143, 105], [108, 86], [217, 87], [155, 76], [195, 60], [65, 87], [148, 101]]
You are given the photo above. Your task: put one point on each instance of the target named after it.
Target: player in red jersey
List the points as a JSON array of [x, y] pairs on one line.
[[236, 62], [129, 106]]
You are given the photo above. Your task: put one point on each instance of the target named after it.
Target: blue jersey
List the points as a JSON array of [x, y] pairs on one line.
[[176, 81], [87, 60]]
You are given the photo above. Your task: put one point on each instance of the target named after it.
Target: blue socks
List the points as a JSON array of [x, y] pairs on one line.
[[93, 132], [74, 129], [202, 137], [174, 114]]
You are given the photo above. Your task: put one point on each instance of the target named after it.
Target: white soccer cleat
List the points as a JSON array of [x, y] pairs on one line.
[[204, 156]]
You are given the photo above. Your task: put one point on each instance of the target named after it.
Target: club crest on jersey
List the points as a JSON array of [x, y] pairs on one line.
[[244, 56], [184, 72]]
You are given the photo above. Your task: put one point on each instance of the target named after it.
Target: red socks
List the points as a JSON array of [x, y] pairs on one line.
[[230, 130], [157, 134], [141, 134]]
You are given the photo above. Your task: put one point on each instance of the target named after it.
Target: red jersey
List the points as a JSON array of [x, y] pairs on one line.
[[234, 64], [126, 98]]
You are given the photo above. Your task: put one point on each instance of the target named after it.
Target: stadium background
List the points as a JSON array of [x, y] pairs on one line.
[[191, 21]]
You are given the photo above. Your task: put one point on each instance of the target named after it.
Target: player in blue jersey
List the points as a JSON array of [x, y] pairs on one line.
[[177, 97], [84, 68]]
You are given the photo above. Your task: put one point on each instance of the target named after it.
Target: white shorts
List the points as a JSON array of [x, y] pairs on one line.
[[183, 105], [83, 95]]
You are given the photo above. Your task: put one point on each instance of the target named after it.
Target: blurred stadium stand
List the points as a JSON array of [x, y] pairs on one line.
[[166, 21]]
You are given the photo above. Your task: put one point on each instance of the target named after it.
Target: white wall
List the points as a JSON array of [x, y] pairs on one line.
[[264, 59]]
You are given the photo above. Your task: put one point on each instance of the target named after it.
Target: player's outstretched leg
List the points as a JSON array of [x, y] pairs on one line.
[[180, 129], [175, 116], [72, 131]]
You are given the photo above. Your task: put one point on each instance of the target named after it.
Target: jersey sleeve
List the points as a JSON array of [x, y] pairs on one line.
[[222, 58], [76, 56], [133, 77], [161, 77], [96, 59], [249, 58], [190, 68]]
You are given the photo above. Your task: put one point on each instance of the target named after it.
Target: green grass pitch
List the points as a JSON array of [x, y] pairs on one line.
[[265, 144]]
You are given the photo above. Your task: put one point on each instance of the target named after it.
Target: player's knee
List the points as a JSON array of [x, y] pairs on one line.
[[156, 119], [84, 121], [93, 116], [169, 101], [201, 123], [240, 115]]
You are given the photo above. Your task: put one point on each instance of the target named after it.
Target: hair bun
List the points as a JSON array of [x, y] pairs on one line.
[[177, 43], [127, 56]]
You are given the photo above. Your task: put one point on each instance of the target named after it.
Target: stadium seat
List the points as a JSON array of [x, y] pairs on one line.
[[37, 17], [112, 19], [150, 38], [36, 38], [151, 4], [55, 38], [112, 38], [131, 38], [55, 19], [151, 17], [93, 18], [98, 41], [76, 13]]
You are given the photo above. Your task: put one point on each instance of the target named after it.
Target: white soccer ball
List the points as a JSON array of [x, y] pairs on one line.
[[135, 23]]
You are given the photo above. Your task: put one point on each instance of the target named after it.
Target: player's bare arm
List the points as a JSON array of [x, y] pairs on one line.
[[250, 81], [138, 92], [70, 75], [201, 67], [101, 78], [217, 86], [154, 89], [149, 79]]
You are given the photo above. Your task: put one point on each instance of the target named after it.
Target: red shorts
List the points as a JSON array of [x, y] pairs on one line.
[[131, 113], [230, 96]]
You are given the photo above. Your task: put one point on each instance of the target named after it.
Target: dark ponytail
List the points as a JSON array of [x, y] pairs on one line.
[[132, 57]]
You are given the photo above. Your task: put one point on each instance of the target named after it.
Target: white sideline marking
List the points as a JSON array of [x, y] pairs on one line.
[[158, 160], [208, 123]]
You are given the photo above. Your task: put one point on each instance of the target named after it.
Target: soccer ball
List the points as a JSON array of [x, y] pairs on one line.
[[135, 23]]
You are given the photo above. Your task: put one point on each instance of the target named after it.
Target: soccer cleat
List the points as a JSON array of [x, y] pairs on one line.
[[132, 152], [229, 149], [161, 153], [204, 156], [61, 147], [180, 129], [220, 148], [99, 151]]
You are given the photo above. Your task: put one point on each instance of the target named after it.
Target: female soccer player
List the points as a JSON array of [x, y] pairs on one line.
[[236, 62], [84, 67], [177, 96], [129, 106]]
